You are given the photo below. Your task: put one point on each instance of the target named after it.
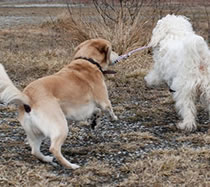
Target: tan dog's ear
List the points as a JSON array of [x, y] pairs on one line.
[[80, 46], [89, 46], [104, 47], [107, 51]]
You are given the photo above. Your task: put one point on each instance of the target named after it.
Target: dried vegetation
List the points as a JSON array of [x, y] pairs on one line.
[[143, 148]]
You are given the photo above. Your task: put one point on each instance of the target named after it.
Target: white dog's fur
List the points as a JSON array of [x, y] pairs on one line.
[[182, 60]]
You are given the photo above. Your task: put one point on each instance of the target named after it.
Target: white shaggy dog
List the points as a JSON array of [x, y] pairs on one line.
[[182, 60]]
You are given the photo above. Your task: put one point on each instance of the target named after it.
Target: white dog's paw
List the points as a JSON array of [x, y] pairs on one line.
[[153, 78], [149, 81], [187, 126], [146, 79]]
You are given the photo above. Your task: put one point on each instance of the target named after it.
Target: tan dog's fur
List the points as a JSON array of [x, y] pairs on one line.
[[75, 92]]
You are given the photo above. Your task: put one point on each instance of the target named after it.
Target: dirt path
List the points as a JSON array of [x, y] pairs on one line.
[[16, 14]]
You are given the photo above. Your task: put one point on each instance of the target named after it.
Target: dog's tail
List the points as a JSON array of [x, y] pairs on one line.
[[9, 94]]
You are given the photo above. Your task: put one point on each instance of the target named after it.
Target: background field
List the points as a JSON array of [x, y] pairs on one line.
[[143, 148]]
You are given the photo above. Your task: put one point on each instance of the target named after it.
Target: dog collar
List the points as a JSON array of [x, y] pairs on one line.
[[97, 64]]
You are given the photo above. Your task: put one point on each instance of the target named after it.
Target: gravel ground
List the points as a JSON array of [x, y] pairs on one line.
[[142, 148]]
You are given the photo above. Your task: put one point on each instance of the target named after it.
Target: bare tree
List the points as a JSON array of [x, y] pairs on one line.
[[115, 10], [208, 20]]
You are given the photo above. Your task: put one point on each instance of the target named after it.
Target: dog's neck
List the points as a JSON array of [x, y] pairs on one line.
[[97, 64]]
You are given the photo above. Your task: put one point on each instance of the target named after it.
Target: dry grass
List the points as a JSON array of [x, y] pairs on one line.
[[89, 24], [142, 149], [185, 166]]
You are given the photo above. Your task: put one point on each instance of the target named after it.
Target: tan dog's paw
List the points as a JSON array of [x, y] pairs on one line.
[[74, 166], [114, 118], [48, 159]]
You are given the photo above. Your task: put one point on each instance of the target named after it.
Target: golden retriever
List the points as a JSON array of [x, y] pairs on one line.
[[75, 92]]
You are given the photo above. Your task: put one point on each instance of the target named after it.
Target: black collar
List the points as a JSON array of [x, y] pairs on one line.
[[97, 64]]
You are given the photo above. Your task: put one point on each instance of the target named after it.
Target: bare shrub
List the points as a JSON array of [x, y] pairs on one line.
[[198, 12], [122, 22]]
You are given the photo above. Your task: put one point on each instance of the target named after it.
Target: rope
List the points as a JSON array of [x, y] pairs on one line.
[[130, 53]]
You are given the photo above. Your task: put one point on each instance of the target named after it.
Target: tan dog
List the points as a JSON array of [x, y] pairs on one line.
[[75, 92]]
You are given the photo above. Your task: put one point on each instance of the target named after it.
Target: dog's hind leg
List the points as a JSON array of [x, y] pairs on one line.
[[57, 130], [35, 143], [34, 136], [186, 108], [48, 120], [55, 149], [57, 139]]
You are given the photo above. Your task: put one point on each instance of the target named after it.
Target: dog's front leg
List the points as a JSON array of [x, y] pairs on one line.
[[206, 93], [153, 78], [107, 107], [103, 102], [186, 108], [96, 118]]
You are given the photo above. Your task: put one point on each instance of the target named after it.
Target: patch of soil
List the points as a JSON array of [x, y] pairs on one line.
[[142, 148]]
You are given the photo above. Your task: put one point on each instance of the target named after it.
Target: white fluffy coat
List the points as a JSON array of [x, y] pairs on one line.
[[182, 60]]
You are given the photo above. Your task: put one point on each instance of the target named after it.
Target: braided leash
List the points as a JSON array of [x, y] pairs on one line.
[[130, 53]]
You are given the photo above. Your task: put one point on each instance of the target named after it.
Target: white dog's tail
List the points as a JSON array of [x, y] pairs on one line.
[[8, 92]]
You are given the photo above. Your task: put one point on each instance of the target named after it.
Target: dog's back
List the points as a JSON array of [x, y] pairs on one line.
[[182, 61], [170, 26]]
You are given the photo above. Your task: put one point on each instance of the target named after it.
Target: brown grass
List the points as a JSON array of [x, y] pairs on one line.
[[142, 149], [89, 24], [185, 166]]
